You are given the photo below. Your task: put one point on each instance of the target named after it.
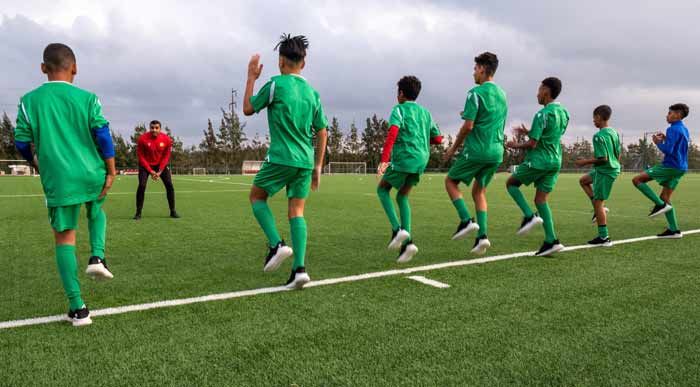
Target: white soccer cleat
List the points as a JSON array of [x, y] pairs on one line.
[[298, 279], [528, 224], [80, 317], [464, 228], [97, 269], [397, 239], [481, 245], [407, 253], [276, 256]]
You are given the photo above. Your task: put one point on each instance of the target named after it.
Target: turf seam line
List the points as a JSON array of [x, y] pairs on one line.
[[312, 284]]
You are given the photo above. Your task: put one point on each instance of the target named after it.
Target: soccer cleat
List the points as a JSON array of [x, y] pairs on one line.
[[481, 244], [549, 248], [137, 216], [174, 214], [408, 251], [660, 209], [465, 228], [397, 239], [594, 218], [298, 279], [528, 224], [97, 269], [276, 256], [598, 241], [80, 317], [668, 234]]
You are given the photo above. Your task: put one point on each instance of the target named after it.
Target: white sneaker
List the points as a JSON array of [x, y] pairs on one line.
[[528, 224], [481, 245], [97, 269], [80, 317], [276, 256], [397, 239], [298, 279], [464, 228], [407, 253]]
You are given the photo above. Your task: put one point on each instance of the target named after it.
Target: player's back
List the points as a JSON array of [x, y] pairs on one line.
[[606, 144], [293, 113], [412, 148], [485, 142], [552, 120], [58, 118]]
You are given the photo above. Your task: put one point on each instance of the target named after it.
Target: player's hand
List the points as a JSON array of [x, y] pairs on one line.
[[109, 179], [154, 175], [581, 163], [511, 144], [448, 155], [381, 168], [254, 67], [520, 129], [316, 179]]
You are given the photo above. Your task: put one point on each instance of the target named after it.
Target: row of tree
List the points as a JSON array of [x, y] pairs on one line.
[[223, 150]]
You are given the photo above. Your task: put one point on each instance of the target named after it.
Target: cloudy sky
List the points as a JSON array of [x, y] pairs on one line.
[[177, 62]]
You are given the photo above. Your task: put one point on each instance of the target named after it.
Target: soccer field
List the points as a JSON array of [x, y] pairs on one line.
[[626, 315]]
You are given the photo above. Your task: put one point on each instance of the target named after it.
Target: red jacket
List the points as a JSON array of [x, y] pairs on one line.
[[154, 151]]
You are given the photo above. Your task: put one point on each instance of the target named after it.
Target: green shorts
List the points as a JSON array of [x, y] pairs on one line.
[[465, 170], [400, 179], [66, 217], [602, 185], [544, 180], [273, 177], [666, 176]]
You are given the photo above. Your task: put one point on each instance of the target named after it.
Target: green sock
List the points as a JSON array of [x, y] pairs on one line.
[[671, 218], [388, 206], [483, 220], [648, 192], [548, 222], [267, 222], [405, 210], [517, 195], [297, 227], [461, 209], [603, 231], [68, 269], [97, 226]]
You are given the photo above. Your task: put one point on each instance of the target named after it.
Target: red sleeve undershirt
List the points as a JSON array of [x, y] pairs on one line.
[[141, 156], [166, 156], [437, 140], [391, 139]]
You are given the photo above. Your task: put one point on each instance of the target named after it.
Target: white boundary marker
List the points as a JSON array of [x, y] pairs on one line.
[[330, 281], [428, 281]]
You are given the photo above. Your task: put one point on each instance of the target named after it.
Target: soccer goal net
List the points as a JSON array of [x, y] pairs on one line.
[[16, 168], [357, 168], [199, 171], [251, 167]]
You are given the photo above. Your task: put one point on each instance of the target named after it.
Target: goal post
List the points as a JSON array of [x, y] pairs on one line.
[[199, 171], [16, 168], [251, 167], [344, 167]]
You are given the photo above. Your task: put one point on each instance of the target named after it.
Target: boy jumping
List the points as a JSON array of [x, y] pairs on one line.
[[295, 114], [411, 132], [75, 155]]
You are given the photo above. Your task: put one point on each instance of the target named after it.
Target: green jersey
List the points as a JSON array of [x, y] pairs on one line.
[[412, 147], [294, 114], [606, 144], [485, 105], [58, 118], [547, 128]]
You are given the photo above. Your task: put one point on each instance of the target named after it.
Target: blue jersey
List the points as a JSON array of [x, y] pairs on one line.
[[675, 146]]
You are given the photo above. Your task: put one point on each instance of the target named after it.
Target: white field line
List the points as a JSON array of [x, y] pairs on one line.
[[278, 289], [130, 193], [211, 181], [428, 281]]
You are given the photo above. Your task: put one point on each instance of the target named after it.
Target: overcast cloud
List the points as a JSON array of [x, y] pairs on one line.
[[177, 62]]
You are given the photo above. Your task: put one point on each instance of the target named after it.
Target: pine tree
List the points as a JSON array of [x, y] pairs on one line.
[[7, 139], [335, 140]]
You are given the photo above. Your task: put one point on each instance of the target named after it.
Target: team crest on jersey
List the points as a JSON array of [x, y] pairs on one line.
[[162, 145]]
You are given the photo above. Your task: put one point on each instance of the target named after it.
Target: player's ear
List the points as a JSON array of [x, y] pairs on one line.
[[303, 63], [74, 68], [44, 69]]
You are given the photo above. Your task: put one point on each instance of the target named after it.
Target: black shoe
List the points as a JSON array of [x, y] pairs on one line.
[[660, 209], [408, 251], [397, 239], [97, 269], [528, 224], [598, 241], [137, 216], [481, 244], [276, 256], [465, 228], [549, 248], [298, 278], [174, 215], [80, 317], [668, 234]]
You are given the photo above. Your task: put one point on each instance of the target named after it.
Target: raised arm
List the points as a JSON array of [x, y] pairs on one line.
[[254, 71]]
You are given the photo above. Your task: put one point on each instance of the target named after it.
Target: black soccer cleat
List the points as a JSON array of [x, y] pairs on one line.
[[549, 248], [660, 209], [528, 224], [465, 228], [276, 256], [137, 216], [298, 279], [174, 214], [80, 317], [97, 269], [668, 234], [598, 241]]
